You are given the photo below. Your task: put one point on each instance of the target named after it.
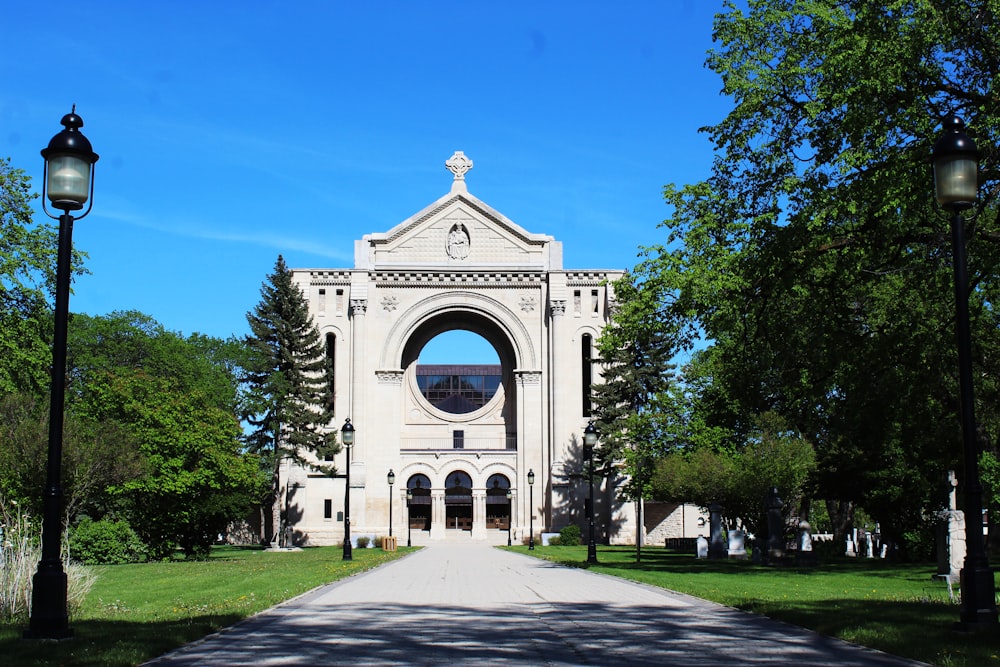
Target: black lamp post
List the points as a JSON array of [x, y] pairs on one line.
[[510, 514], [531, 510], [391, 478], [347, 436], [956, 167], [589, 440], [68, 184], [409, 526]]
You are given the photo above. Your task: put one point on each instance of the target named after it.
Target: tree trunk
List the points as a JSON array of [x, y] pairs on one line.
[[841, 517]]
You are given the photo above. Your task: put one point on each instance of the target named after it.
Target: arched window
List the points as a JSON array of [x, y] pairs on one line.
[[587, 370], [331, 358]]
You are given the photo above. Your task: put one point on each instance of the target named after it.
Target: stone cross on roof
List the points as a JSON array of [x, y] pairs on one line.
[[458, 164]]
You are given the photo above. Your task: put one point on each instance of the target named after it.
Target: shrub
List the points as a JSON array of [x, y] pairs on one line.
[[105, 543], [363, 542], [569, 536]]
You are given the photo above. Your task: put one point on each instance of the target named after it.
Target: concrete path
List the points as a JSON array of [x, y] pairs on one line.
[[476, 605]]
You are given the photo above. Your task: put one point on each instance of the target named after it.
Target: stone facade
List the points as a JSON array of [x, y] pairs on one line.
[[457, 264]]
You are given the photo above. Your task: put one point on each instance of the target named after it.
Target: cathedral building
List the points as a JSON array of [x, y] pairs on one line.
[[478, 452]]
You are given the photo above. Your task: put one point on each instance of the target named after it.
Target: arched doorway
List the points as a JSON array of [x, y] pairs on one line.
[[498, 502], [418, 493], [458, 501]]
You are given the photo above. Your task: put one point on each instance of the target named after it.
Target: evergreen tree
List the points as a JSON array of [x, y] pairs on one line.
[[631, 405], [290, 391]]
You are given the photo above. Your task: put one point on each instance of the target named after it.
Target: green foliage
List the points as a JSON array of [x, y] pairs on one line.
[[171, 403], [27, 277], [568, 536], [95, 455], [739, 480], [363, 542], [197, 480], [812, 261], [105, 542]]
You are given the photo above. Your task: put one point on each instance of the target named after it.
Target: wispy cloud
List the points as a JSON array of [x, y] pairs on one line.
[[201, 230]]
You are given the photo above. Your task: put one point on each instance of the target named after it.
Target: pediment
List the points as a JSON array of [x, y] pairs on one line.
[[455, 232]]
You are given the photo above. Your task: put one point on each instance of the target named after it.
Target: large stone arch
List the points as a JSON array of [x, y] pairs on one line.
[[472, 311]]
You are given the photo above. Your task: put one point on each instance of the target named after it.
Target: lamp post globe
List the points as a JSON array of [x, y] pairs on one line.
[[531, 510], [68, 184], [956, 184], [391, 479], [347, 437], [589, 440]]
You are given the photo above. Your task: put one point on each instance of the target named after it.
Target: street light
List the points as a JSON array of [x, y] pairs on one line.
[[68, 183], [391, 478], [409, 524], [531, 510], [510, 515], [589, 440], [347, 437], [956, 167]]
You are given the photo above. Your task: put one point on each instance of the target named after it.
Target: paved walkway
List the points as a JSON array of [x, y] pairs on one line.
[[476, 605]]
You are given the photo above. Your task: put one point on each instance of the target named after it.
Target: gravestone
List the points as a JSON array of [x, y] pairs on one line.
[[951, 536], [805, 555], [737, 544], [805, 537], [702, 546]]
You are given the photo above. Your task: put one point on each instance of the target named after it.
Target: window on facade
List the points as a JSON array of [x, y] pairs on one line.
[[340, 301], [458, 389], [458, 439], [594, 302], [587, 371], [327, 509], [331, 359], [321, 300]]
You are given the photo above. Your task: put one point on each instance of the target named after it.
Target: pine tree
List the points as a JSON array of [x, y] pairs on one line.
[[631, 404], [288, 381]]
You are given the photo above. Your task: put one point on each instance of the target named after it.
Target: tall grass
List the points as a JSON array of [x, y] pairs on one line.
[[20, 551]]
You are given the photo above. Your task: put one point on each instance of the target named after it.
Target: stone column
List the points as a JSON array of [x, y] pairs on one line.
[[479, 515], [438, 515]]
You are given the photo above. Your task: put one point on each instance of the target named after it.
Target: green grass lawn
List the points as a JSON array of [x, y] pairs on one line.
[[895, 608], [136, 612]]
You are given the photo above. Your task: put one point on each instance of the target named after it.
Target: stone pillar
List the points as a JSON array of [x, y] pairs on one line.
[[437, 515], [775, 526], [716, 546], [479, 515]]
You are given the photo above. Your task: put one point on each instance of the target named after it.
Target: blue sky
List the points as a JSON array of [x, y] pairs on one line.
[[230, 132]]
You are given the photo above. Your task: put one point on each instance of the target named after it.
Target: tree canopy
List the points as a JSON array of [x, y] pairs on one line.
[[813, 261]]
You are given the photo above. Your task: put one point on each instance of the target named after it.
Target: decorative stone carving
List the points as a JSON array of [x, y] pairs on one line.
[[458, 164], [390, 303], [458, 242], [528, 378], [359, 306], [558, 307], [527, 303], [390, 377]]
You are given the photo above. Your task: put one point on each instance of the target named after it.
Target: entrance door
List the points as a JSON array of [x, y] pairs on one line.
[[418, 502], [498, 502], [458, 501]]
